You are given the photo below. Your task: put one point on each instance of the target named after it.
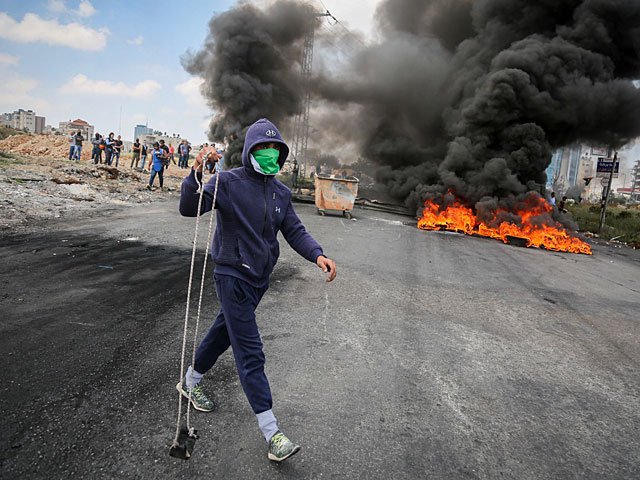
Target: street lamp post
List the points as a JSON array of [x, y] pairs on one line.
[[606, 198]]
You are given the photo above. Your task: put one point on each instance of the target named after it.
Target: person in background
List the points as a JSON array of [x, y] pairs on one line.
[[72, 144], [212, 154], [156, 166], [165, 149], [143, 154], [77, 152], [219, 163], [552, 199], [180, 156], [117, 149], [561, 204], [295, 169], [102, 146], [108, 149], [95, 151], [183, 151], [220, 166], [171, 152], [135, 157]]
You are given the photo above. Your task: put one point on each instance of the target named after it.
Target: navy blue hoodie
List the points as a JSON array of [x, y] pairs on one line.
[[251, 208]]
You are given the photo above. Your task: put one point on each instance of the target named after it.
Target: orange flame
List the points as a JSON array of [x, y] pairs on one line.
[[459, 218]]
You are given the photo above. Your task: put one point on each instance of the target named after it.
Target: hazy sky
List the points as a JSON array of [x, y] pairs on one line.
[[92, 59]]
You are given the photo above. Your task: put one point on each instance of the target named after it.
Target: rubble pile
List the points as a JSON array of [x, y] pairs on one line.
[[46, 187], [56, 146]]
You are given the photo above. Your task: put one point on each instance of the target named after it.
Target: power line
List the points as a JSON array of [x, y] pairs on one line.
[[301, 122], [343, 26]]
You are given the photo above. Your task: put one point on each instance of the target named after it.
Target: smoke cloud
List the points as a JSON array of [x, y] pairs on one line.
[[249, 64], [460, 96]]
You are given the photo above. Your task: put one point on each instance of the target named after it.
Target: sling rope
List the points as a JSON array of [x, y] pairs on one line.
[[186, 315]]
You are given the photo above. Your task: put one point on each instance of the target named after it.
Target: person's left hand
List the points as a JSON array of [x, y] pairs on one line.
[[327, 265]]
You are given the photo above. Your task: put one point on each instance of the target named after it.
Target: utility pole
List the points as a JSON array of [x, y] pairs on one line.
[[603, 213], [301, 123]]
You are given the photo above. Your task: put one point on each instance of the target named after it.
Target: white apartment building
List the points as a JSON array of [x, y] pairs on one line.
[[5, 120], [24, 119]]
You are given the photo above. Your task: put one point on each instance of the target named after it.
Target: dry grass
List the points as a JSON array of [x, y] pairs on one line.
[[621, 221]]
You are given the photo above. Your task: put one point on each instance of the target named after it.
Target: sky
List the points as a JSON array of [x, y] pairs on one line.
[[116, 64]]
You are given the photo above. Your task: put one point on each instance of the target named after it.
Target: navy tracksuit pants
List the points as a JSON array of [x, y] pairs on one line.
[[236, 326]]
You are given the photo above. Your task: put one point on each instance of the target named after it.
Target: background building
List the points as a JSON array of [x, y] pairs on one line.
[[156, 136], [634, 190], [40, 121], [570, 166], [67, 127], [141, 130], [553, 170], [20, 120], [5, 120], [50, 130], [23, 120]]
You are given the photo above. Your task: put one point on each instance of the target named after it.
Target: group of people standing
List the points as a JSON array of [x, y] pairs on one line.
[[75, 145], [162, 155], [112, 148]]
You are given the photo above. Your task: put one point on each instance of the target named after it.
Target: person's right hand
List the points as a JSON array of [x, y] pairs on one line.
[[210, 156]]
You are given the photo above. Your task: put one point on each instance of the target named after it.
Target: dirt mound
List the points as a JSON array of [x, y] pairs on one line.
[[42, 146], [34, 187]]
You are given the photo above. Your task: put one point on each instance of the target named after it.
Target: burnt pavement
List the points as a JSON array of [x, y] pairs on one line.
[[433, 355]]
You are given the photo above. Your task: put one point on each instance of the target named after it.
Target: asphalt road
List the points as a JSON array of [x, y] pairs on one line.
[[432, 355]]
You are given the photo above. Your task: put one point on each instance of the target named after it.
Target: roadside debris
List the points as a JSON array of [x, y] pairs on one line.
[[42, 187]]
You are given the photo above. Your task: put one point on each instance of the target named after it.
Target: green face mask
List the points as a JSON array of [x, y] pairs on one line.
[[268, 160]]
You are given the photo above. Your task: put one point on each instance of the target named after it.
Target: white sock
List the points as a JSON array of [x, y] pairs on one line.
[[268, 424], [194, 376]]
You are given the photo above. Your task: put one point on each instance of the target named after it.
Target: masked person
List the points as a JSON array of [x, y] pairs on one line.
[[251, 207]]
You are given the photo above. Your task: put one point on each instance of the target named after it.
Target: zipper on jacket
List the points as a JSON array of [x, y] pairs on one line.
[[264, 224]]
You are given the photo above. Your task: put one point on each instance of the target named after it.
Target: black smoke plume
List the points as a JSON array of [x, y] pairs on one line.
[[475, 95], [460, 96], [250, 66]]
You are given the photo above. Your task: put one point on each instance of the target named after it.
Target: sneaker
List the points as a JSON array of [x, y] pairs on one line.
[[198, 399], [281, 448]]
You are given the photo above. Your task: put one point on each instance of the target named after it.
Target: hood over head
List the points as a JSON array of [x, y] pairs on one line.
[[260, 132]]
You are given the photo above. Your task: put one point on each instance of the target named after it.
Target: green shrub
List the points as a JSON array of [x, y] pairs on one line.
[[620, 221]]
